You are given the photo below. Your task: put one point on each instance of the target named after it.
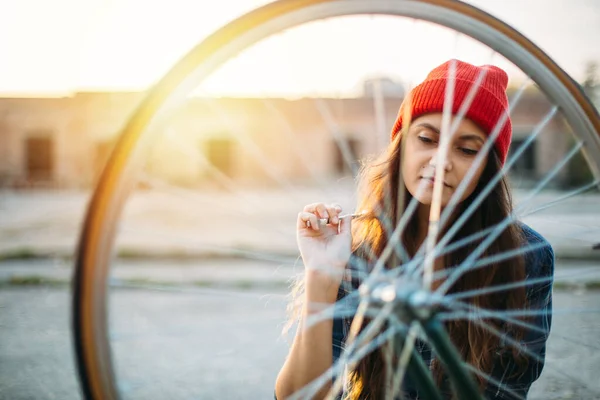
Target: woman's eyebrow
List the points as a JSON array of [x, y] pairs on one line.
[[428, 126], [463, 136], [470, 136]]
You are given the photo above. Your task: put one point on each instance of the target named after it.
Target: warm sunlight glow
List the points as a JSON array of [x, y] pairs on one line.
[[129, 44], [336, 55]]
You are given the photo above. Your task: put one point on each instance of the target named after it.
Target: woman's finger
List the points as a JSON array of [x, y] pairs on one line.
[[307, 220], [321, 211], [345, 224], [334, 210], [325, 214]]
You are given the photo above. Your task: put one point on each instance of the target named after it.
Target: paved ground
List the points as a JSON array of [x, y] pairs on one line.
[[193, 346], [235, 273], [170, 344]]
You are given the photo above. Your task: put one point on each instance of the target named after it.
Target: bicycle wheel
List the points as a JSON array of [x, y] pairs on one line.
[[96, 248]]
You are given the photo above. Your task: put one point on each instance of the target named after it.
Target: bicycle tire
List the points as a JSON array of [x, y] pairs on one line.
[[89, 310]]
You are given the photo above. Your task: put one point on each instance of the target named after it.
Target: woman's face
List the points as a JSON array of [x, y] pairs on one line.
[[419, 157]]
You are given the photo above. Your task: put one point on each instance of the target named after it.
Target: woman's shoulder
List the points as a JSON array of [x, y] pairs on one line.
[[539, 255], [531, 235]]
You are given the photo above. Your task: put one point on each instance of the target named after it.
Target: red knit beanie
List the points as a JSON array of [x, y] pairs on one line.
[[487, 108]]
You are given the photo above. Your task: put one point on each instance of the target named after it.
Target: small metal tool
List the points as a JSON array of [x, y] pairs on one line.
[[325, 221]]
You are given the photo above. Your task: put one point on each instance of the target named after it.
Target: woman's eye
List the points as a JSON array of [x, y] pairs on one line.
[[467, 151], [425, 139]]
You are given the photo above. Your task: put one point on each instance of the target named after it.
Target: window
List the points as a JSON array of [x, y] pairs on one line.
[[525, 164], [219, 153], [341, 164], [39, 155]]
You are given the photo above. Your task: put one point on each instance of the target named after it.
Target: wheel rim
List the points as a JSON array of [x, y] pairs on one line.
[[90, 315]]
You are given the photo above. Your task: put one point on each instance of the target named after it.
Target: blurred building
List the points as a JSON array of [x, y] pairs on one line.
[[64, 142]]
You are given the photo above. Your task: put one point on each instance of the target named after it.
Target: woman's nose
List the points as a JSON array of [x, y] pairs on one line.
[[447, 162]]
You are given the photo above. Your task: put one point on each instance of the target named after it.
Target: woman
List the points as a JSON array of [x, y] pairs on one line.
[[331, 251]]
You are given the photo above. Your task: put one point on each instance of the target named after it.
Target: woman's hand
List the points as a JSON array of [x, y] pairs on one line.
[[325, 248]]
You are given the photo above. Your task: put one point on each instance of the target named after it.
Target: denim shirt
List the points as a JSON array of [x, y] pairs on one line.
[[539, 263]]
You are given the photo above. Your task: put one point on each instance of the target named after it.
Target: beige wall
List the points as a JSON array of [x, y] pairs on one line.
[[294, 138]]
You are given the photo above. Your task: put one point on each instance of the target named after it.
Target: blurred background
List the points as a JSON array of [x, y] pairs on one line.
[[205, 251]]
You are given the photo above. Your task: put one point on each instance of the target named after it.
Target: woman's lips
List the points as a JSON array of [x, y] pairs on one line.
[[430, 181]]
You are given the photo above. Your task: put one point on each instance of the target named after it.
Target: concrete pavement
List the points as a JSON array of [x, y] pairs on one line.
[[174, 345], [167, 236]]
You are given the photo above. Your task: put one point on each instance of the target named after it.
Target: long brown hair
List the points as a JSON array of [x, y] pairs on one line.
[[378, 190]]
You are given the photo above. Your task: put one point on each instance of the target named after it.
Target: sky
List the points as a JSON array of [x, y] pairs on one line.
[[62, 46]]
